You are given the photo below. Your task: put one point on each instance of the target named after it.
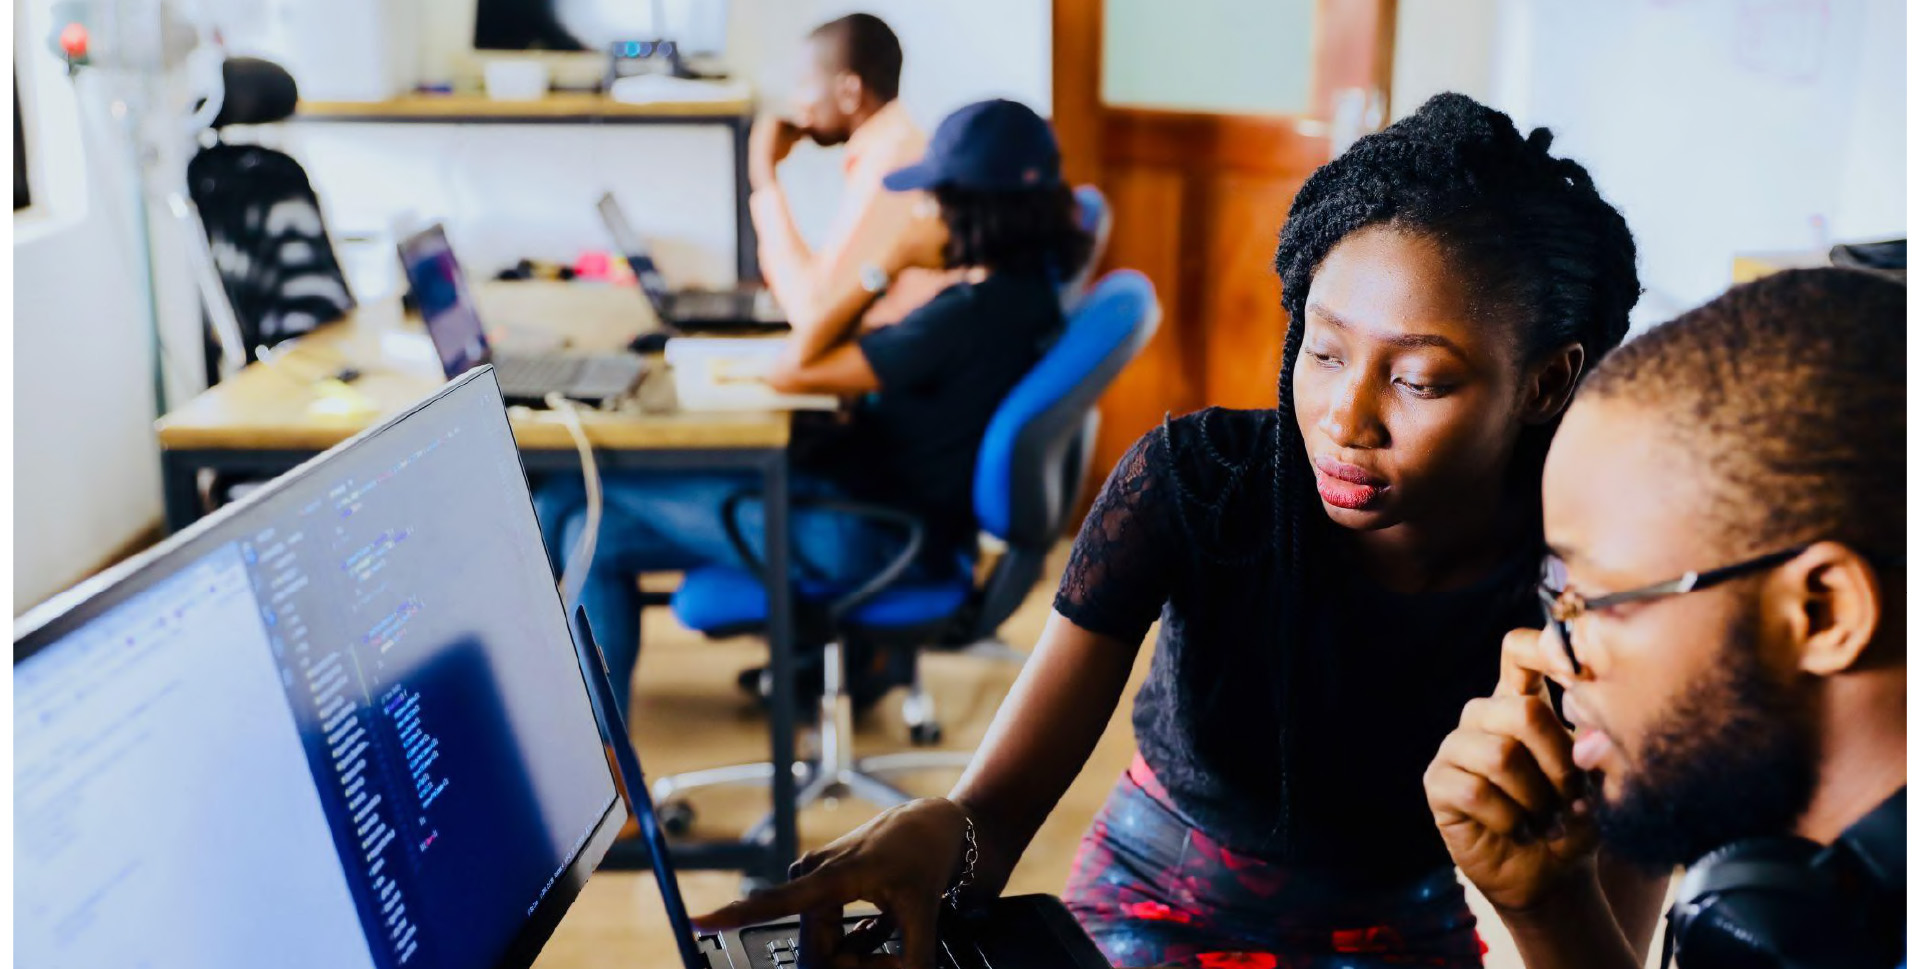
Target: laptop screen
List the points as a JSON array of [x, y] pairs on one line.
[[445, 300], [638, 254], [341, 725]]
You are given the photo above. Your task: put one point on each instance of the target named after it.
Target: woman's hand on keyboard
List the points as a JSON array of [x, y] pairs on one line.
[[901, 861]]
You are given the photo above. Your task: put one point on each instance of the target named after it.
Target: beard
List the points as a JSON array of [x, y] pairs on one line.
[[1734, 758]]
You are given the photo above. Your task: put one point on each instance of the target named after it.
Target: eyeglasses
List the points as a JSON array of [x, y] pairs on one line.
[[1565, 607]]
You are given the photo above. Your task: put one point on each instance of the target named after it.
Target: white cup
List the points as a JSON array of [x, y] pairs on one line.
[[516, 80]]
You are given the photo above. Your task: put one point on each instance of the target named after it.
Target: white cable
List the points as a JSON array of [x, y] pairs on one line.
[[579, 560]]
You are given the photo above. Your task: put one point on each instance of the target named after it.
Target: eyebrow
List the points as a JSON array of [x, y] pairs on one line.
[[1407, 341]]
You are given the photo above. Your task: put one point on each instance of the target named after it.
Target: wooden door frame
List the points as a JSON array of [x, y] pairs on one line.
[[1187, 170], [1351, 47]]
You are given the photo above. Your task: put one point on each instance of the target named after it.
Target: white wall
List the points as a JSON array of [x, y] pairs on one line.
[[1717, 126], [86, 469], [955, 53], [509, 192]]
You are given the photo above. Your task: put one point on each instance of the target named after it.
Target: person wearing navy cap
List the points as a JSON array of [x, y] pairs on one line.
[[991, 146], [1000, 219]]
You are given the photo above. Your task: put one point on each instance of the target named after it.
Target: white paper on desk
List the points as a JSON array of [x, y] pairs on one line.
[[720, 374], [414, 349]]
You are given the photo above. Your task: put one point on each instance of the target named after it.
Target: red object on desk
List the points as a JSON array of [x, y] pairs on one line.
[[593, 264]]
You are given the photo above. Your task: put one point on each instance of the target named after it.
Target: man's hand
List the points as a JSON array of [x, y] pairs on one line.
[[1511, 805], [773, 138]]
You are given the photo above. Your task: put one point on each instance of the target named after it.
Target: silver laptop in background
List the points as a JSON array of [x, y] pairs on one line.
[[744, 309], [446, 303]]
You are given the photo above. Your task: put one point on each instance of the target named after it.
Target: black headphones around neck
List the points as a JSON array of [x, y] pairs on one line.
[[1790, 902]]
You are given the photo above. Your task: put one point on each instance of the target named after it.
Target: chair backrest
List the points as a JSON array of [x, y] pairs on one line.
[[265, 235], [268, 241], [1095, 217], [255, 91], [1032, 458]]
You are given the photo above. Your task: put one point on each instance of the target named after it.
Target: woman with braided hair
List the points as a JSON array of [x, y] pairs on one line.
[[1332, 579]]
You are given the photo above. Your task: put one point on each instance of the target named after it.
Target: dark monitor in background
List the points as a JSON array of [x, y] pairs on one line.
[[341, 724], [697, 26]]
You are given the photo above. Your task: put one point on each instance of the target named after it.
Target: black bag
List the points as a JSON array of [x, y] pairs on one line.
[[268, 241]]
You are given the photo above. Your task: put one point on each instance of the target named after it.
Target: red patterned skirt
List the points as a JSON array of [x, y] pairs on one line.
[[1154, 890]]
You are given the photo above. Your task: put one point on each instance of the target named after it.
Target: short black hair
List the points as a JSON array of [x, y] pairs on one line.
[[1017, 230], [1791, 391], [869, 49]]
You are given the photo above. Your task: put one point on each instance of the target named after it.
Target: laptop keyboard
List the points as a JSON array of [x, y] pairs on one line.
[[538, 374], [588, 377], [783, 953], [710, 304], [616, 371]]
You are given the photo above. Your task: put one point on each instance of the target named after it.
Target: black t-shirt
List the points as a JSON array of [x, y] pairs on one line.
[[1183, 532], [943, 370]]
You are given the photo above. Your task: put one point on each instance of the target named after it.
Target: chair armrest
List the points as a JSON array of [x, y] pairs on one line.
[[891, 572]]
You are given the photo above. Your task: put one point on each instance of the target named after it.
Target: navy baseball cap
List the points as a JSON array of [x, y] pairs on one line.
[[989, 146]]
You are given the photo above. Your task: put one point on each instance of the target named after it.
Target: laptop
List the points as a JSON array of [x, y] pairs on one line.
[[1018, 932], [745, 310], [446, 303], [339, 724]]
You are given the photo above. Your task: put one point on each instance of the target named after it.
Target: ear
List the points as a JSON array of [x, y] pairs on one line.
[[848, 92], [1831, 603], [1550, 383]]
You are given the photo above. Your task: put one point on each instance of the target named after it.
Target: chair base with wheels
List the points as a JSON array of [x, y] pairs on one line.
[[835, 772]]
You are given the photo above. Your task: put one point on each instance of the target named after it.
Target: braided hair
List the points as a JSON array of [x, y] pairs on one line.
[[1545, 253]]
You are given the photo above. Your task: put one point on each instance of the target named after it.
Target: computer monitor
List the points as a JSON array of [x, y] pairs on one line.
[[339, 724], [445, 300], [697, 26]]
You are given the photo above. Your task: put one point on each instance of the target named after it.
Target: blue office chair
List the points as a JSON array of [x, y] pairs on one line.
[[1095, 217], [1031, 467]]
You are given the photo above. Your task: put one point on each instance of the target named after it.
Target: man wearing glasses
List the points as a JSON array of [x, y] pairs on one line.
[[1725, 507]]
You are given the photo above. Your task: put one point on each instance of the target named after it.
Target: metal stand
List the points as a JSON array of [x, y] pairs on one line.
[[837, 772]]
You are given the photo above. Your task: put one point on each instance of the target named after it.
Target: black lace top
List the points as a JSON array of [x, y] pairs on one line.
[[1183, 531]]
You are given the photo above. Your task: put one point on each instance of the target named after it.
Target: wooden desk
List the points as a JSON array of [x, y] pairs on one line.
[[289, 405], [557, 106], [268, 418], [568, 108]]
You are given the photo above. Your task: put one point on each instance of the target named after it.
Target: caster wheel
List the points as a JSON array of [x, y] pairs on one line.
[[676, 818], [926, 734]]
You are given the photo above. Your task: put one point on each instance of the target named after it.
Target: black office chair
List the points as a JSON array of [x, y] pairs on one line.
[[1031, 468], [266, 239]]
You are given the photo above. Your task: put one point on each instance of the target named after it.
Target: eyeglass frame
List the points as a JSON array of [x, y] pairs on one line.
[[1563, 606]]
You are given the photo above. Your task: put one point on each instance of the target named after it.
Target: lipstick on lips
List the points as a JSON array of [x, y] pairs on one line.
[[1347, 485]]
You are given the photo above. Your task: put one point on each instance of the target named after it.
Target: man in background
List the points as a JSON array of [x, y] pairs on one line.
[[847, 95]]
